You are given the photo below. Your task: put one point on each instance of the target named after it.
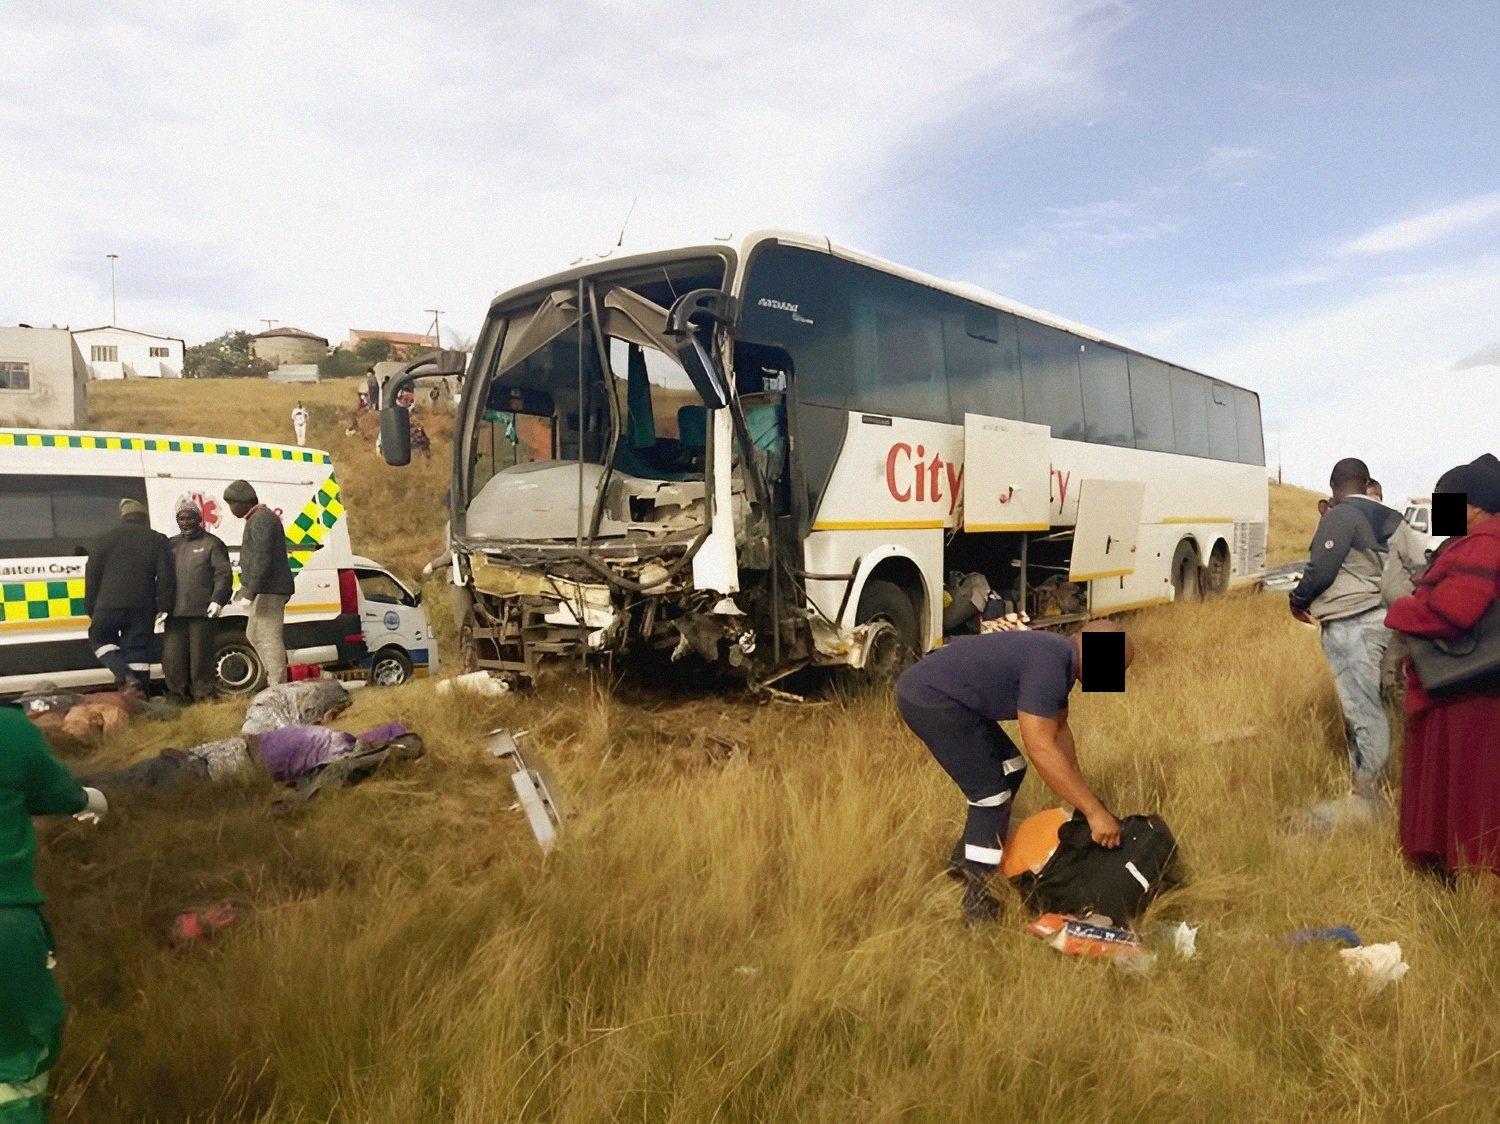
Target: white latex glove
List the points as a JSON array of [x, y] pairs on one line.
[[160, 617], [213, 610], [96, 809]]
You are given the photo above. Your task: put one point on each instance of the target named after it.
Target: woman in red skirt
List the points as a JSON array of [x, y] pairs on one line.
[[1450, 783]]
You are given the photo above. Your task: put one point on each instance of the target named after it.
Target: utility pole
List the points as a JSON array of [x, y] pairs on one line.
[[437, 334], [114, 311], [267, 323]]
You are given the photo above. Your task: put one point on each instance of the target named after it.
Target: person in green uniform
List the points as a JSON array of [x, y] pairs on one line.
[[32, 783]]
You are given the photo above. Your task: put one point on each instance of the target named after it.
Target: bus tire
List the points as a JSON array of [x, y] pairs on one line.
[[887, 601], [1217, 573], [1187, 574], [391, 667], [237, 666]]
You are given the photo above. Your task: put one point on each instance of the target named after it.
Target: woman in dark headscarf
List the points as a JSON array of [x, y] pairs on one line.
[[1450, 782]]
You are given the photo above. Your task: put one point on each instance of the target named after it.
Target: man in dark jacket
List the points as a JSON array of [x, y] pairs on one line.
[[202, 572], [1340, 589], [128, 581], [265, 577]]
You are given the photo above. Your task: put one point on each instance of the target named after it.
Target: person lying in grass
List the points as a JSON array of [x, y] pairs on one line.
[[289, 753]]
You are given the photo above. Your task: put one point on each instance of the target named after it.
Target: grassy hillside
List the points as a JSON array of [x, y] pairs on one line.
[[762, 934], [1294, 516], [396, 514]]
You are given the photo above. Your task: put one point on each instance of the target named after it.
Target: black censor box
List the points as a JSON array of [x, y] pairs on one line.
[[1103, 661]]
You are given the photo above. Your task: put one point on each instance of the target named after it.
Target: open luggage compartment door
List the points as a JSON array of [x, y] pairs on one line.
[[1007, 475], [1109, 526]]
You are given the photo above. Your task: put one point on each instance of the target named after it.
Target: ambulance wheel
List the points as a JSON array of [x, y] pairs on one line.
[[1187, 575], [888, 602], [390, 668], [237, 669]]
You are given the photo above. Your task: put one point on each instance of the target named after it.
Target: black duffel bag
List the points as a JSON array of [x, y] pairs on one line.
[[1082, 877]]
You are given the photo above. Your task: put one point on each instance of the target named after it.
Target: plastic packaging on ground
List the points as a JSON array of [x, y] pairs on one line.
[[1380, 964]]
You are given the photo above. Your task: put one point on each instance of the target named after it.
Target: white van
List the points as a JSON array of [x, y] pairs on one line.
[[398, 639], [60, 490], [1419, 515]]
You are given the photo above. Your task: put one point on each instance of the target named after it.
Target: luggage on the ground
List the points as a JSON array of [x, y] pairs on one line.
[[1082, 877]]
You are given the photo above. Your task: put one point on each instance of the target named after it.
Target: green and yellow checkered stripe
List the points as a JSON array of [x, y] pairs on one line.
[[159, 445], [309, 529], [22, 602]]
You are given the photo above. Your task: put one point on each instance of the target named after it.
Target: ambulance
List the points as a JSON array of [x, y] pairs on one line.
[[61, 490]]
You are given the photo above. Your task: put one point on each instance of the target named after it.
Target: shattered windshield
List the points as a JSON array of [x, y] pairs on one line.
[[549, 401]]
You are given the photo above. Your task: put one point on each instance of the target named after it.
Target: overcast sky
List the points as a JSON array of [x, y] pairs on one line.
[[1302, 198]]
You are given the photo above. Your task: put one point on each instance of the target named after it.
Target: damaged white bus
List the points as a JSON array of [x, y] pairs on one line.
[[769, 455]]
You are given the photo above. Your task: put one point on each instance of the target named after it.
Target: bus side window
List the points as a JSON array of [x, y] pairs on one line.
[[1190, 412], [1106, 395], [1049, 378], [983, 363], [1223, 434], [1247, 418], [1151, 404]]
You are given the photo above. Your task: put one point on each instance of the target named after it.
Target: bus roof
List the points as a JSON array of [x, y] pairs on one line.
[[742, 248]]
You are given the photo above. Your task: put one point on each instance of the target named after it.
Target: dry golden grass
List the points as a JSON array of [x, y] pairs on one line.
[[763, 936], [1294, 517]]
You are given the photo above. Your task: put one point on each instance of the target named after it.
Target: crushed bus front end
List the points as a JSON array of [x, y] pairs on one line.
[[616, 488]]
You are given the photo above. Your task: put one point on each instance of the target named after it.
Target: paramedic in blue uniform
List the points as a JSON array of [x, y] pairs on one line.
[[953, 699]]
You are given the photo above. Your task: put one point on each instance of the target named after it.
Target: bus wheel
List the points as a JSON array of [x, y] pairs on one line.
[[886, 601], [1187, 575], [391, 667], [1216, 576], [237, 668]]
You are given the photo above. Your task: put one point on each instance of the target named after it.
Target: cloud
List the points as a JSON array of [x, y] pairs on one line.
[[1484, 357], [1223, 157], [1425, 229], [336, 162], [1370, 374]]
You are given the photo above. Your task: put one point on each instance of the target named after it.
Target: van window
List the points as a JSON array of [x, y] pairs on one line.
[[60, 516], [1049, 378], [1417, 517], [380, 588]]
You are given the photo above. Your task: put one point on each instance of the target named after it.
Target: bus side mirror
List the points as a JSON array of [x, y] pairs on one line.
[[395, 435]]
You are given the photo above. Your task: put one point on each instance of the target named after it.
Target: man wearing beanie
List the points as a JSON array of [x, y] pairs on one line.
[[200, 564], [127, 582], [265, 577]]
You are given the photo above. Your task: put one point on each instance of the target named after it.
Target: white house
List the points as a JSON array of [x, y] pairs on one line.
[[43, 380], [123, 353]]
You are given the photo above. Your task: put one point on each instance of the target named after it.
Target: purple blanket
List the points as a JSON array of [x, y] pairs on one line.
[[292, 751]]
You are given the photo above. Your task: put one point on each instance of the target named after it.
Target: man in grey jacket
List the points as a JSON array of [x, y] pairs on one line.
[[265, 577], [1340, 589], [200, 562]]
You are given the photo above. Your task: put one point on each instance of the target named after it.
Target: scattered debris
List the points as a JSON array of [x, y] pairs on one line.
[[1341, 933], [478, 682], [539, 795], [1074, 937], [197, 924], [1185, 940], [1380, 964]]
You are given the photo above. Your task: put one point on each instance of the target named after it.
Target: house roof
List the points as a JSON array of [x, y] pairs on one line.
[[293, 333], [132, 331], [393, 337]]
